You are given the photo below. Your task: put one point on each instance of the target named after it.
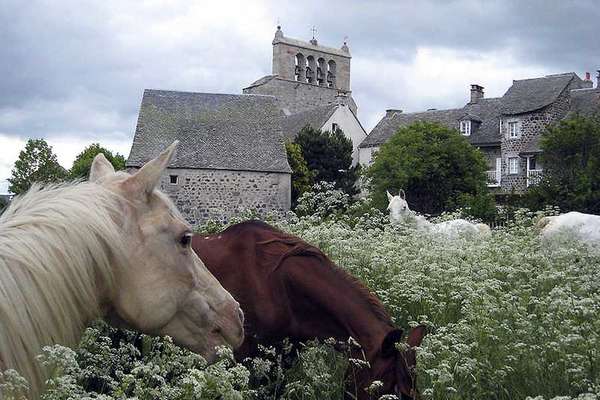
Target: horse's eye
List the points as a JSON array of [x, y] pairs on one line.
[[186, 240]]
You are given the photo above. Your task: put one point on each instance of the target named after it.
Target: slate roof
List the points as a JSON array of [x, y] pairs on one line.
[[484, 131], [487, 112], [314, 117], [216, 131], [528, 95], [260, 81], [586, 102]]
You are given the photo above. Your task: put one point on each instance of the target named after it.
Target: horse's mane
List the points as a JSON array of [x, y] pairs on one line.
[[298, 247], [57, 249]]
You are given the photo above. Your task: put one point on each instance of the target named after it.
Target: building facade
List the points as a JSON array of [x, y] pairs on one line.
[[231, 157], [506, 129], [305, 74], [312, 85]]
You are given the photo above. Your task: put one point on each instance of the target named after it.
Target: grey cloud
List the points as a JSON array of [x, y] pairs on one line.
[[74, 68]]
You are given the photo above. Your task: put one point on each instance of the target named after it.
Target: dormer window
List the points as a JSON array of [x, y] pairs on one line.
[[465, 127]]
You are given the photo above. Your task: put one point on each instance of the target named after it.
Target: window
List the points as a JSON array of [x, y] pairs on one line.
[[465, 128], [173, 179], [532, 163], [334, 127], [514, 129], [513, 165]]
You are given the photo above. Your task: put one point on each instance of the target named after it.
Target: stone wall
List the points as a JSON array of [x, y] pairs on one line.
[[297, 96], [203, 194], [532, 125], [284, 60]]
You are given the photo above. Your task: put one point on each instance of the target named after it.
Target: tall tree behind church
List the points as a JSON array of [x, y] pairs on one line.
[[329, 156]]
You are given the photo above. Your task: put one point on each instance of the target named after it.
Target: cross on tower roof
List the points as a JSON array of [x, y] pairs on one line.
[[314, 30]]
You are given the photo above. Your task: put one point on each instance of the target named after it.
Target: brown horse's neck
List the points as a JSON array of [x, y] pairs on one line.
[[341, 304]]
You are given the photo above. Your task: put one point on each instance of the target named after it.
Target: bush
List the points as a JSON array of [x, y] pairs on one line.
[[302, 177], [329, 157], [571, 162], [435, 165]]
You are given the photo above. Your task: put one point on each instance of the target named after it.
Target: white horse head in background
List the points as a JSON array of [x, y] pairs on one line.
[[115, 245], [401, 213], [397, 206]]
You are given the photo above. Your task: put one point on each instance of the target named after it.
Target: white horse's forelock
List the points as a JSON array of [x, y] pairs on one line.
[[58, 248]]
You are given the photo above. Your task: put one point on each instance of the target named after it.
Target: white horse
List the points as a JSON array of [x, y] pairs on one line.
[[399, 213], [112, 246], [584, 227]]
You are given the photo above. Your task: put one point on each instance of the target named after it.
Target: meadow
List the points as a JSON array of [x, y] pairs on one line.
[[511, 317]]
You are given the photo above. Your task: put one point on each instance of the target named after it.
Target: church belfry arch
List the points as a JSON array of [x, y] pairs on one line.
[[310, 69], [331, 74], [300, 68]]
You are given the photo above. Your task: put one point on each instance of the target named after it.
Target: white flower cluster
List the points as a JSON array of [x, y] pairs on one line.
[[511, 317]]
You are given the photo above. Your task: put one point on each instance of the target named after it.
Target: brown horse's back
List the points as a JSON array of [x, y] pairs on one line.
[[244, 258], [287, 288]]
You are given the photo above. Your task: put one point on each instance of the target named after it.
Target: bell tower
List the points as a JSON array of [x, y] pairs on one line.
[[309, 62], [306, 75]]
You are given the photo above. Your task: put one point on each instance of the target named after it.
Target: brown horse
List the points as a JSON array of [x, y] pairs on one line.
[[288, 288]]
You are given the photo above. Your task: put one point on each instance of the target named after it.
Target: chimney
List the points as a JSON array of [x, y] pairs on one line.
[[587, 82], [390, 112], [476, 93], [598, 79]]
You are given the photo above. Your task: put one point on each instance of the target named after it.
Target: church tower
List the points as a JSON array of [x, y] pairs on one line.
[[306, 75]]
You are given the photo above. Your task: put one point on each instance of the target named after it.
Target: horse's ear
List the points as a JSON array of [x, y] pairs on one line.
[[390, 197], [402, 194], [101, 167], [416, 335], [148, 177], [388, 346]]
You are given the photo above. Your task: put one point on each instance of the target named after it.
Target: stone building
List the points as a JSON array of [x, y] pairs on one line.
[[231, 155], [305, 74], [506, 129], [312, 84]]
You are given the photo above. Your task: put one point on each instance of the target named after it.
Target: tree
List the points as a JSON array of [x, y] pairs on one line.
[[3, 204], [83, 162], [36, 163], [571, 162], [302, 177], [436, 166], [329, 156]]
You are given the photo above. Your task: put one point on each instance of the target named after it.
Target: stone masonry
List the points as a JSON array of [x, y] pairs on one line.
[[297, 97], [209, 194], [305, 74], [531, 126]]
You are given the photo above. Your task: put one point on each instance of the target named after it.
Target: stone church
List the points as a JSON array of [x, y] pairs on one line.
[[312, 84], [231, 157]]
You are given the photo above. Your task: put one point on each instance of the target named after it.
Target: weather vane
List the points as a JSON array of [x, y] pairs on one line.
[[314, 30]]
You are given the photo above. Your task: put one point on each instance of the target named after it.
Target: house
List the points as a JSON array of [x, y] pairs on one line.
[[327, 118], [312, 84], [231, 155], [506, 129]]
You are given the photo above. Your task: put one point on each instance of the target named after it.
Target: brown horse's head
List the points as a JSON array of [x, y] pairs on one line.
[[395, 368]]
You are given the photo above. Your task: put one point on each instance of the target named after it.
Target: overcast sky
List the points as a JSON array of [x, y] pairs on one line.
[[73, 72]]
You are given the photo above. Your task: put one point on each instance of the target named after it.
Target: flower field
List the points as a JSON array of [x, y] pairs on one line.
[[511, 317]]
